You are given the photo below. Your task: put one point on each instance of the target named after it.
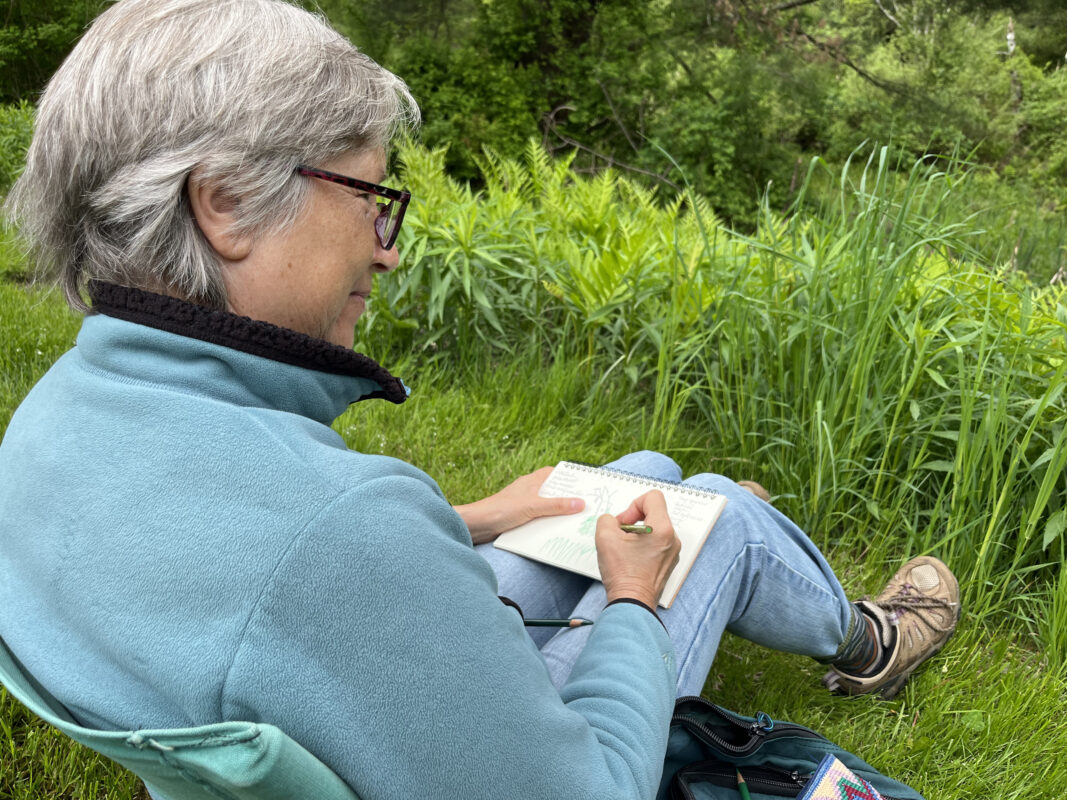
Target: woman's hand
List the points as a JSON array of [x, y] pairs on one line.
[[516, 503], [637, 565]]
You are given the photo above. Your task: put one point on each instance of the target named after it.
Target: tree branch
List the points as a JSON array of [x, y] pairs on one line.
[[885, 11], [615, 114], [688, 71], [841, 58], [550, 128], [794, 4]]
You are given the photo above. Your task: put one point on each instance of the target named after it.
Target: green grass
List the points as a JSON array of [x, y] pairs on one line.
[[896, 394], [980, 710], [35, 329], [39, 762]]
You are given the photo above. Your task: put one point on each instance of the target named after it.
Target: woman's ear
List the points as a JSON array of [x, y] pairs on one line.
[[214, 211]]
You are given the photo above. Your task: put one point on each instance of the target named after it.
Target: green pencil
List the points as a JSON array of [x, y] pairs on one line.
[[742, 787], [637, 528], [577, 622]]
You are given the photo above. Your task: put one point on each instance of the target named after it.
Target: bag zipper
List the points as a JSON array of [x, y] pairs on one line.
[[757, 733], [762, 779]]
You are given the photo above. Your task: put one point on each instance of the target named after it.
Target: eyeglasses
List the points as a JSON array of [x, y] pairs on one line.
[[390, 214]]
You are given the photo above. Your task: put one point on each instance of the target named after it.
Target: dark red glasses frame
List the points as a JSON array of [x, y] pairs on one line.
[[390, 217]]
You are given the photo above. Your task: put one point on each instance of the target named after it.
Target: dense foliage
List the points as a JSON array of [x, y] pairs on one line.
[[731, 96], [16, 129], [735, 97], [35, 37]]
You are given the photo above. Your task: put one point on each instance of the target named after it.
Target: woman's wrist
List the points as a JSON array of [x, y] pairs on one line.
[[479, 521], [641, 595]]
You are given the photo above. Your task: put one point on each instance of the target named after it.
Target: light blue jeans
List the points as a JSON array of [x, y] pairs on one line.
[[758, 576]]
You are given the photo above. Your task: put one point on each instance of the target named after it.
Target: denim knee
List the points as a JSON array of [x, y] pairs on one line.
[[727, 487], [650, 464]]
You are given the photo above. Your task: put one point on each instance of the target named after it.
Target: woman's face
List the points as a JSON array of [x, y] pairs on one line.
[[317, 276]]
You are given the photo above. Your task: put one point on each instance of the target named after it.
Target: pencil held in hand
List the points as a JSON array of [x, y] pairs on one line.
[[637, 567]]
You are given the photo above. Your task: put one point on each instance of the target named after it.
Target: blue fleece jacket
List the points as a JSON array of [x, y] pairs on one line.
[[185, 540]]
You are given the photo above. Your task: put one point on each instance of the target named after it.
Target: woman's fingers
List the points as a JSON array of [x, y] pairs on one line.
[[637, 565]]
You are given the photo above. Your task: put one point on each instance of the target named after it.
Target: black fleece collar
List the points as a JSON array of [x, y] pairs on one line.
[[241, 333]]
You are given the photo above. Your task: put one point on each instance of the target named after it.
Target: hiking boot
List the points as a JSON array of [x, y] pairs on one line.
[[756, 489], [913, 617]]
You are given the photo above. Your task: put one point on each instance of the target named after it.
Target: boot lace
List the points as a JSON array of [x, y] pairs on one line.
[[909, 599]]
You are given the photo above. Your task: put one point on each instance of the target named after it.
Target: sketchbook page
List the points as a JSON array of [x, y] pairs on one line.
[[569, 541]]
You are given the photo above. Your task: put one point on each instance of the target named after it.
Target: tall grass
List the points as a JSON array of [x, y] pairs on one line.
[[918, 391], [857, 355]]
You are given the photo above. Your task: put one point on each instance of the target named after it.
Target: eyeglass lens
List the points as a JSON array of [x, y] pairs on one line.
[[385, 222]]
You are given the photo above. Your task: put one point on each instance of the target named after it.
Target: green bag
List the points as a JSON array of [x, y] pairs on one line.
[[708, 744]]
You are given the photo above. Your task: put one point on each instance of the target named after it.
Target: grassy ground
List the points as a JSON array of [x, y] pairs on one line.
[[982, 710], [896, 397]]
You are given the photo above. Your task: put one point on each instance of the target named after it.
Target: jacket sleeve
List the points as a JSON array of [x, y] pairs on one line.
[[380, 645]]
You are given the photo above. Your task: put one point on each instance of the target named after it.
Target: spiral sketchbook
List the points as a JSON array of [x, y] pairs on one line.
[[568, 542]]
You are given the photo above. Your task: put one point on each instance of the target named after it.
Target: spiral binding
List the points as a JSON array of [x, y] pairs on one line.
[[652, 483]]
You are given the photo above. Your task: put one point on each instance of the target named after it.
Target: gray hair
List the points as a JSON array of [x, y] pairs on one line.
[[241, 90]]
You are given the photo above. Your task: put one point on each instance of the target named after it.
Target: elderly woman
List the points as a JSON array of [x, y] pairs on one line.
[[183, 538]]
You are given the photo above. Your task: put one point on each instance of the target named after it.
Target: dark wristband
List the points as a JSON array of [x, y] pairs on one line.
[[509, 602]]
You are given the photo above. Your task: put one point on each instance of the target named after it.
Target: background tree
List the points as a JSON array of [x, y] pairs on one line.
[[35, 37], [733, 97]]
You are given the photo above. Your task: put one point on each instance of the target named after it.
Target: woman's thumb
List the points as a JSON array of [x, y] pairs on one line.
[[558, 506]]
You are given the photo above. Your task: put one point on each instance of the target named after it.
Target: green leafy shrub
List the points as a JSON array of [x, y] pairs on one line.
[[16, 130], [468, 102], [35, 37]]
